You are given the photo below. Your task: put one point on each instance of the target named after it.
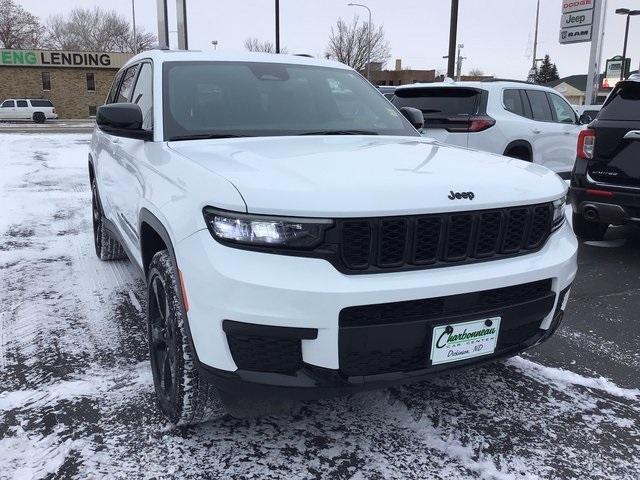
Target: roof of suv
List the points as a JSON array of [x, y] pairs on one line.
[[491, 85], [215, 56]]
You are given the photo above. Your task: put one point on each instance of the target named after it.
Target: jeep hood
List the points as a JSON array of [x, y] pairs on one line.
[[345, 176]]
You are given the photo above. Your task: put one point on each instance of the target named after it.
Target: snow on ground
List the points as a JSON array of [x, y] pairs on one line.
[[76, 397]]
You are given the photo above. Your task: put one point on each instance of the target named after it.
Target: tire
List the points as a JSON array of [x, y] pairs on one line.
[[183, 396], [519, 153], [586, 230], [39, 117], [107, 248]]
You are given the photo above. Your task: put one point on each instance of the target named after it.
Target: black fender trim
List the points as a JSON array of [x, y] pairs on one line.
[[257, 330], [521, 144], [145, 216]]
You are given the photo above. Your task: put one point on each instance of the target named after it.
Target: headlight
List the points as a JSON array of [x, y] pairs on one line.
[[558, 213], [265, 231]]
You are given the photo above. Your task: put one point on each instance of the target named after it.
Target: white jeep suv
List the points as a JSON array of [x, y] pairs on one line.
[[516, 119], [299, 238], [38, 110]]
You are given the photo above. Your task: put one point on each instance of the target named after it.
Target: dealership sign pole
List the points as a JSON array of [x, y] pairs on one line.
[[583, 21]]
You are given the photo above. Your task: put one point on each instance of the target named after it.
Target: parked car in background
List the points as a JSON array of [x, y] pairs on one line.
[[587, 113], [37, 110], [605, 185], [300, 239], [387, 91], [515, 119]]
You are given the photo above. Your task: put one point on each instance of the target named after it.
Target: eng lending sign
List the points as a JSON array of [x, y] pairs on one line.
[[576, 22], [52, 58]]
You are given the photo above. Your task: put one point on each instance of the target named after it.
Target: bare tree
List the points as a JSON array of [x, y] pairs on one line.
[[95, 30], [476, 72], [256, 45], [18, 28], [349, 43]]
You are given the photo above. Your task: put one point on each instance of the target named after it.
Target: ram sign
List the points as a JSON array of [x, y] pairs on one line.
[[576, 21]]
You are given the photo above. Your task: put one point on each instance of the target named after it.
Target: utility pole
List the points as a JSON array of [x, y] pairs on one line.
[[163, 24], [453, 30], [535, 38], [459, 62], [277, 26], [135, 36], [370, 37]]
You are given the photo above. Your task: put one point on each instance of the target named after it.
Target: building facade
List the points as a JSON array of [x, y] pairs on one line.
[[399, 76], [75, 82]]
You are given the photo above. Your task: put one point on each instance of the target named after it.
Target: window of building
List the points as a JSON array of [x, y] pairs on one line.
[[46, 81], [92, 110], [22, 103], [91, 82]]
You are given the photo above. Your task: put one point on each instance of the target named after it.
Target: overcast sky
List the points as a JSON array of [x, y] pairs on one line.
[[497, 34]]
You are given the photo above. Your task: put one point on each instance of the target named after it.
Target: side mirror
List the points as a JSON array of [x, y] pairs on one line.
[[585, 119], [122, 120], [414, 116]]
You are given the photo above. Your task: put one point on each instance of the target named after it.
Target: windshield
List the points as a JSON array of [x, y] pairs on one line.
[[219, 99]]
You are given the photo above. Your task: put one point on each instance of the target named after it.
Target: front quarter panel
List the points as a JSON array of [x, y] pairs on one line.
[[175, 190]]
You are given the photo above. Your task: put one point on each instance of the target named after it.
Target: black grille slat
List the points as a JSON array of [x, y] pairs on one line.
[[459, 229], [356, 243], [265, 354], [540, 226], [423, 241], [488, 234], [514, 235], [426, 240], [392, 242]]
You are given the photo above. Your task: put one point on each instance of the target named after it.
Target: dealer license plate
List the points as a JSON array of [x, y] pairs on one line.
[[461, 341]]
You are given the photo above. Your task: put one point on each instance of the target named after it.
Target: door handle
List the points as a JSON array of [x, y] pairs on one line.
[[536, 131], [633, 135]]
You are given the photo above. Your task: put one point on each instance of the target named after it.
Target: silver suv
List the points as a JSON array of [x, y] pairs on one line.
[[37, 110]]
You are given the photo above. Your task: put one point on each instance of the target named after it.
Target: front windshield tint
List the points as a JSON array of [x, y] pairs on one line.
[[268, 99]]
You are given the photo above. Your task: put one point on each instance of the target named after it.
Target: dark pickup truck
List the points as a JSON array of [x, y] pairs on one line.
[[605, 183]]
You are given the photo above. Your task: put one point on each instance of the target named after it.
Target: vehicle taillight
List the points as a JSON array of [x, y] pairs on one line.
[[478, 124], [586, 143], [470, 124]]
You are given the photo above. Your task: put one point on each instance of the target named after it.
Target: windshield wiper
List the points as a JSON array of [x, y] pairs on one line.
[[341, 132], [203, 136]]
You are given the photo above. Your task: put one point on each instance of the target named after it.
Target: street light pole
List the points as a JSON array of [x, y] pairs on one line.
[[369, 39], [629, 14], [135, 36]]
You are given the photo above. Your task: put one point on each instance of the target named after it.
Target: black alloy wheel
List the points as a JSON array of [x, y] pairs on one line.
[[162, 338]]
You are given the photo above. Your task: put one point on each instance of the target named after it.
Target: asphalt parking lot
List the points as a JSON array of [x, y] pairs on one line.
[[76, 398]]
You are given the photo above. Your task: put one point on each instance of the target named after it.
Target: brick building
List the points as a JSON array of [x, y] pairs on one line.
[[75, 82], [398, 76]]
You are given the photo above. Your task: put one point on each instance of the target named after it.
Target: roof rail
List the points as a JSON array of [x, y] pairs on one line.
[[489, 80]]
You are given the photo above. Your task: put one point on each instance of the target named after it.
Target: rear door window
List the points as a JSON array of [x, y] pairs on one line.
[[539, 106], [624, 104], [41, 103], [439, 101], [22, 103]]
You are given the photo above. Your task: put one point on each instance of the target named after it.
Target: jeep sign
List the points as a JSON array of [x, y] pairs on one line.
[[576, 21]]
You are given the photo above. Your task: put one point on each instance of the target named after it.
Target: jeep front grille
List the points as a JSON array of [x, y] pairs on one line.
[[422, 241]]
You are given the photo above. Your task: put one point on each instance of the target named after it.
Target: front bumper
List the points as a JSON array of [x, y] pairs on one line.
[[308, 295]]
